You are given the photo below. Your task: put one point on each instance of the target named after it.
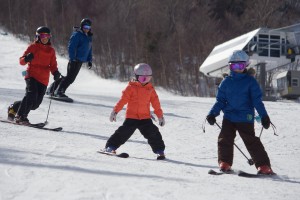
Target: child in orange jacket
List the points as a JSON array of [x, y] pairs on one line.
[[138, 95], [41, 59]]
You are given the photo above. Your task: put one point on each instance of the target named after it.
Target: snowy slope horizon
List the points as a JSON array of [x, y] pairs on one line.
[[39, 164]]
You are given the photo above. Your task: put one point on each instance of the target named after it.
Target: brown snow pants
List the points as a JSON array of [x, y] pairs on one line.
[[252, 143]]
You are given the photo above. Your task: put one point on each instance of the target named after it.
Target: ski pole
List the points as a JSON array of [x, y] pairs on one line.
[[262, 128], [250, 161], [51, 95], [46, 122], [273, 127]]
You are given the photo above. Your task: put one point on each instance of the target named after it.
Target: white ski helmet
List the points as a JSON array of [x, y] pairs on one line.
[[239, 56], [142, 69]]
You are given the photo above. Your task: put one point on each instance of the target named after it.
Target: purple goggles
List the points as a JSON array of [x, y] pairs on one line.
[[86, 27], [238, 66], [44, 35]]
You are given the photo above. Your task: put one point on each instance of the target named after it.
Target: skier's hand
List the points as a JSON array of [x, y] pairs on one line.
[[28, 57], [152, 117], [161, 121], [265, 121], [113, 116], [90, 64], [211, 119], [56, 75]]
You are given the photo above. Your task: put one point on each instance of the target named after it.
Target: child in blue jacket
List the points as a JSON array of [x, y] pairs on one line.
[[238, 95], [80, 51]]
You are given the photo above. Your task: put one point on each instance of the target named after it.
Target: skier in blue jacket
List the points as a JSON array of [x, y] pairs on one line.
[[237, 96], [80, 50]]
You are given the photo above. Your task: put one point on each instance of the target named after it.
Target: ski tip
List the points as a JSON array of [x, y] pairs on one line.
[[58, 129], [63, 99], [213, 172], [250, 175], [161, 157], [123, 155]]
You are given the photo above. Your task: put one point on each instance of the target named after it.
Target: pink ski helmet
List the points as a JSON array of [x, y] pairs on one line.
[[143, 72]]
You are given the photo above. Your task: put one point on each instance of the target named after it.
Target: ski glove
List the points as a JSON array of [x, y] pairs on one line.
[[113, 116], [28, 57], [211, 119], [161, 121], [90, 65], [265, 121], [56, 75]]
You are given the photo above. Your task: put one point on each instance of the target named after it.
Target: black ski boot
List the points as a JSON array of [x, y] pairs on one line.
[[160, 155], [22, 120]]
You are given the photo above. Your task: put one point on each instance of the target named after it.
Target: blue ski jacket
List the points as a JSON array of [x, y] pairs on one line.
[[80, 46], [237, 96]]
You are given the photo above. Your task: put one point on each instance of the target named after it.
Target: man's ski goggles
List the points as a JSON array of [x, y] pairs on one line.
[[144, 79], [44, 35], [86, 27], [238, 66]]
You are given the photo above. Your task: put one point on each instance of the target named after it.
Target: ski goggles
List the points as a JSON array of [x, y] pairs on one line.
[[144, 79], [44, 35], [237, 66], [87, 27]]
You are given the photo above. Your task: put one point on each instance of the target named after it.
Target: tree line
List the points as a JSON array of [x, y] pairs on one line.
[[173, 36]]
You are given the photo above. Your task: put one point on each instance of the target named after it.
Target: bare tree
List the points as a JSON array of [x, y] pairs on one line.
[[173, 36]]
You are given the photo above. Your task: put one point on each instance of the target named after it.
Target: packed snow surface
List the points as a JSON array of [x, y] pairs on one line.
[[38, 164]]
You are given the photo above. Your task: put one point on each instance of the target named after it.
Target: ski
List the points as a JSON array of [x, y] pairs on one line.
[[250, 175], [161, 157], [41, 125], [213, 172], [49, 129], [31, 125], [241, 174], [37, 125], [120, 155], [64, 99]]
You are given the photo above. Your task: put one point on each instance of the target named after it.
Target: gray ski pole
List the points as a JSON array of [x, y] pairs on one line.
[[51, 95]]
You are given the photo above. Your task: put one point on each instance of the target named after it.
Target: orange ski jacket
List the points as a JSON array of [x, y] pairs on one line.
[[43, 62], [138, 99]]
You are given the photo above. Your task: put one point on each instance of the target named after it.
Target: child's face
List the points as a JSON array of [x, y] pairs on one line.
[[44, 37], [44, 40], [144, 79], [238, 67], [239, 71], [86, 28]]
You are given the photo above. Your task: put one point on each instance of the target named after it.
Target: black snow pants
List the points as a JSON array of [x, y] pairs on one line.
[[51, 89], [33, 98], [72, 72], [147, 129], [252, 143]]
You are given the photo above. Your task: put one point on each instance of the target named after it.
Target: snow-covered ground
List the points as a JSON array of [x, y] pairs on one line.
[[37, 164]]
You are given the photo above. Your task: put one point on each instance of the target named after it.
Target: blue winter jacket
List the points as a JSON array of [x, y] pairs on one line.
[[80, 46], [238, 95]]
